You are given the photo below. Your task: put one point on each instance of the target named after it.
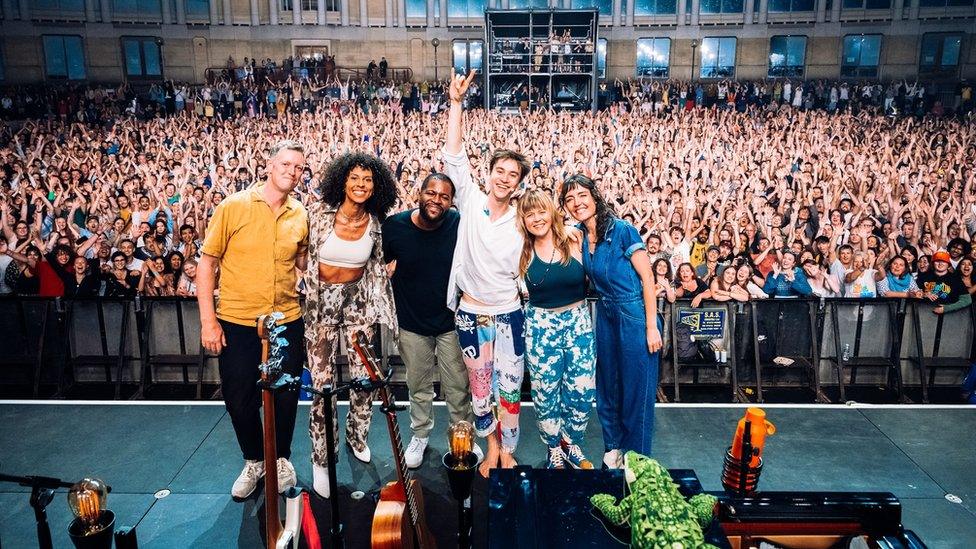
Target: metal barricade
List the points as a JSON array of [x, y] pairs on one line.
[[102, 336], [703, 356], [785, 335], [941, 342], [25, 324], [171, 338], [864, 334]]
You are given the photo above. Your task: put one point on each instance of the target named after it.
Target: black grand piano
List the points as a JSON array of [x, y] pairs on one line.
[[530, 508]]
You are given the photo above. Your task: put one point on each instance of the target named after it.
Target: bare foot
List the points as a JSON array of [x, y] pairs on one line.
[[508, 460], [491, 456]]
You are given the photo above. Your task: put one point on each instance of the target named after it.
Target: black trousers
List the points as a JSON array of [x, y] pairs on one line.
[[239, 375]]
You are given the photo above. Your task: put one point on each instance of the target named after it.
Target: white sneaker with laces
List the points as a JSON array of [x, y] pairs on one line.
[[320, 481], [286, 475], [414, 456], [248, 480]]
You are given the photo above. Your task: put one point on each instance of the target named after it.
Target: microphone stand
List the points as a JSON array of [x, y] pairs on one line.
[[288, 382], [42, 493]]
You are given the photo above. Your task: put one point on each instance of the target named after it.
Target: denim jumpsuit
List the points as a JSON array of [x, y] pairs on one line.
[[626, 373]]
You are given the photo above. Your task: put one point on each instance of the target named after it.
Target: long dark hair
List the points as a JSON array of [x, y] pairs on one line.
[[333, 184], [604, 212]]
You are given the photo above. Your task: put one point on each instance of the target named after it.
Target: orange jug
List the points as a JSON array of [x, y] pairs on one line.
[[758, 430]]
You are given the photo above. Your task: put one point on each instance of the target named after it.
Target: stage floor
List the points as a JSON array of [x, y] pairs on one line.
[[921, 454]]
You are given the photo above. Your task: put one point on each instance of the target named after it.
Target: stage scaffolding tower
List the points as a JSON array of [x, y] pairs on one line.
[[541, 58]]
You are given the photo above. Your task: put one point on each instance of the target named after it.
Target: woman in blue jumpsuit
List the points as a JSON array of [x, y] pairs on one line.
[[628, 335]]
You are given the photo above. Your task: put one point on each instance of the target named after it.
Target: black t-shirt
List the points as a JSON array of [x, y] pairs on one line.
[[948, 287], [423, 268]]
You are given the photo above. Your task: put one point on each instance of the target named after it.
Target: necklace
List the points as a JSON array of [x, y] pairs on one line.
[[552, 257], [350, 220]]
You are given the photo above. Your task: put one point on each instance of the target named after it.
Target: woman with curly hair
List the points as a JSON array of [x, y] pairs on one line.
[[347, 290], [628, 336]]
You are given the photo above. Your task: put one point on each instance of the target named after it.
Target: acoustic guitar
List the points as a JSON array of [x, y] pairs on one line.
[[272, 357], [399, 520]]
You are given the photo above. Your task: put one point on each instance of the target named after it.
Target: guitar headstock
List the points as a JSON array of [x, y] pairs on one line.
[[269, 331], [363, 348]]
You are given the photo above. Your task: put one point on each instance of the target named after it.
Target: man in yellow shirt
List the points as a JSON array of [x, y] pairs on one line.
[[258, 237]]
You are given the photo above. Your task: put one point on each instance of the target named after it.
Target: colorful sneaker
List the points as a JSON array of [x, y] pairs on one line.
[[574, 455], [556, 459]]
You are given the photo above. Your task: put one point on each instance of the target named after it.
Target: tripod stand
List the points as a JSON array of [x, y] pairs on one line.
[[287, 382]]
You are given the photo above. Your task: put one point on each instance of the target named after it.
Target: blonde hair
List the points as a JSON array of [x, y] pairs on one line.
[[540, 200]]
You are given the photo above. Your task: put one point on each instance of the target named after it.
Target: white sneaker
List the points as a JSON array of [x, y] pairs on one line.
[[320, 481], [248, 480], [613, 459], [414, 456], [476, 450], [286, 475]]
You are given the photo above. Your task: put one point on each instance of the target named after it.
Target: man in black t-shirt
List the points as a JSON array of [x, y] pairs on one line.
[[419, 248], [943, 286]]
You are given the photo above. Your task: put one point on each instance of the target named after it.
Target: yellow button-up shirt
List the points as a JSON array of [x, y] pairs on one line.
[[257, 249]]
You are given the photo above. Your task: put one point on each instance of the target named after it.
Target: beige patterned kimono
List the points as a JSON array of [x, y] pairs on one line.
[[332, 310]]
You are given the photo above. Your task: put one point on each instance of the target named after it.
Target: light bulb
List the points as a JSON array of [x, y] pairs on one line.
[[461, 438], [87, 500]]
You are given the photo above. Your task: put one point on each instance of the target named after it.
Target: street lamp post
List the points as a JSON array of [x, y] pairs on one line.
[[435, 42], [694, 46]]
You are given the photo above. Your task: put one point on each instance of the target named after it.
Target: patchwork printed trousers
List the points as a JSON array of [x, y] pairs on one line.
[[559, 352], [493, 348]]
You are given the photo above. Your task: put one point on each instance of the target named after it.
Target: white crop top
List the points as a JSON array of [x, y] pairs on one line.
[[351, 254]]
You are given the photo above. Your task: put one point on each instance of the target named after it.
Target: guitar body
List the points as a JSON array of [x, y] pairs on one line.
[[398, 521], [391, 520]]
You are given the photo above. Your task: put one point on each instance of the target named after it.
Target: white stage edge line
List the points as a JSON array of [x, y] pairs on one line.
[[852, 405]]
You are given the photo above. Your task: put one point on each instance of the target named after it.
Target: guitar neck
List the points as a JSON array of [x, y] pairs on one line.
[[403, 472]]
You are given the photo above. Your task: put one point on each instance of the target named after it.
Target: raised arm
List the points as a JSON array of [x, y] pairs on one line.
[[455, 133]]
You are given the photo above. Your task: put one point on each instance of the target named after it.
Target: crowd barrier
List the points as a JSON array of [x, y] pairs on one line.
[[51, 346]]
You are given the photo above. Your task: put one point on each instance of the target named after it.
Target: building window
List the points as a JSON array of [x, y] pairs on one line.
[[867, 4], [717, 58], [467, 56], [787, 56], [310, 5], [465, 9], [601, 58], [285, 5], [604, 6], [137, 9], [417, 8], [944, 3], [142, 57], [64, 57], [940, 54], [713, 7], [197, 10], [59, 6], [783, 6], [862, 52], [653, 57], [654, 7]]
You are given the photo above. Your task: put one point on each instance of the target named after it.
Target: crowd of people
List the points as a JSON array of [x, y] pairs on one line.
[[800, 199]]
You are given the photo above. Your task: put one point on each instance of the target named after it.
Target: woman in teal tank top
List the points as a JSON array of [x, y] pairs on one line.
[[559, 348]]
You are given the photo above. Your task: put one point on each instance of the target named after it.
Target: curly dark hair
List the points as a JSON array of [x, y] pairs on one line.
[[332, 186], [604, 211]]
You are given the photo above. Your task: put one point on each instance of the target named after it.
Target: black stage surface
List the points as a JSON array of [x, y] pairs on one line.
[[921, 454]]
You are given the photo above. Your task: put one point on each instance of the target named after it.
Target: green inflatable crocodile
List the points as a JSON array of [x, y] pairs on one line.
[[658, 515]]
